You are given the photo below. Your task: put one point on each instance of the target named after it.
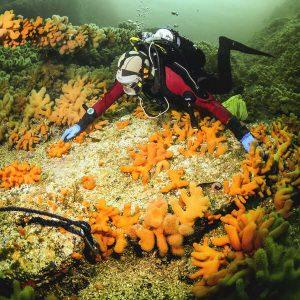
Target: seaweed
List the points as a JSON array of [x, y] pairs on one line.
[[18, 293], [273, 272], [271, 86]]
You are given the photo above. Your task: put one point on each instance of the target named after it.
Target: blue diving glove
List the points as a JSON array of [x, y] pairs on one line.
[[247, 140], [71, 132]]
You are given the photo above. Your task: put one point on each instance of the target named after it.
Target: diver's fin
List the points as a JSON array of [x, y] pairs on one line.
[[234, 45]]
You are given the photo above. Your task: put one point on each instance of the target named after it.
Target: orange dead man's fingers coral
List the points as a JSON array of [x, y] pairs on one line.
[[208, 259], [194, 205], [220, 241], [126, 219], [155, 213], [233, 237], [281, 196], [122, 124], [58, 149], [176, 182], [148, 156], [147, 238], [16, 174], [88, 182], [248, 236]]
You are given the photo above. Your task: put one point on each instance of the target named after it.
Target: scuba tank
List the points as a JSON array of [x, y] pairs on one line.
[[162, 53], [152, 91]]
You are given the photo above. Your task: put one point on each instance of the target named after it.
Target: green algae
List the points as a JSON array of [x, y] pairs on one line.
[[130, 276], [27, 293]]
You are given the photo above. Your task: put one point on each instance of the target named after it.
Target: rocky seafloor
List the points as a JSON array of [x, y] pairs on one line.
[[40, 252]]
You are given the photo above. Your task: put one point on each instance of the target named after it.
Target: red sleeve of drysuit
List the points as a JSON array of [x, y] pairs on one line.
[[177, 85], [115, 92]]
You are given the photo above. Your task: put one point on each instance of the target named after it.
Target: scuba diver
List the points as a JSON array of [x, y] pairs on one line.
[[168, 68]]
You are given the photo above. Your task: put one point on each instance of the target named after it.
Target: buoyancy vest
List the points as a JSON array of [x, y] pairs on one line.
[[171, 81], [173, 76]]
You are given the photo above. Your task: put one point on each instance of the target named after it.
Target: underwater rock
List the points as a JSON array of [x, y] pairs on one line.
[[271, 87], [34, 253]]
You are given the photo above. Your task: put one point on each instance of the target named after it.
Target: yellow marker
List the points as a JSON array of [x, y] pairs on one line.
[[133, 40]]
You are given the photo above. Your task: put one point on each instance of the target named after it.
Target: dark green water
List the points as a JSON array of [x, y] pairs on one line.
[[199, 20]]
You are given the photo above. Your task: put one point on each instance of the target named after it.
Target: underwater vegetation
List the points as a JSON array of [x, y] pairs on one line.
[[272, 270], [27, 293], [19, 59], [278, 85], [145, 187], [269, 87]]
